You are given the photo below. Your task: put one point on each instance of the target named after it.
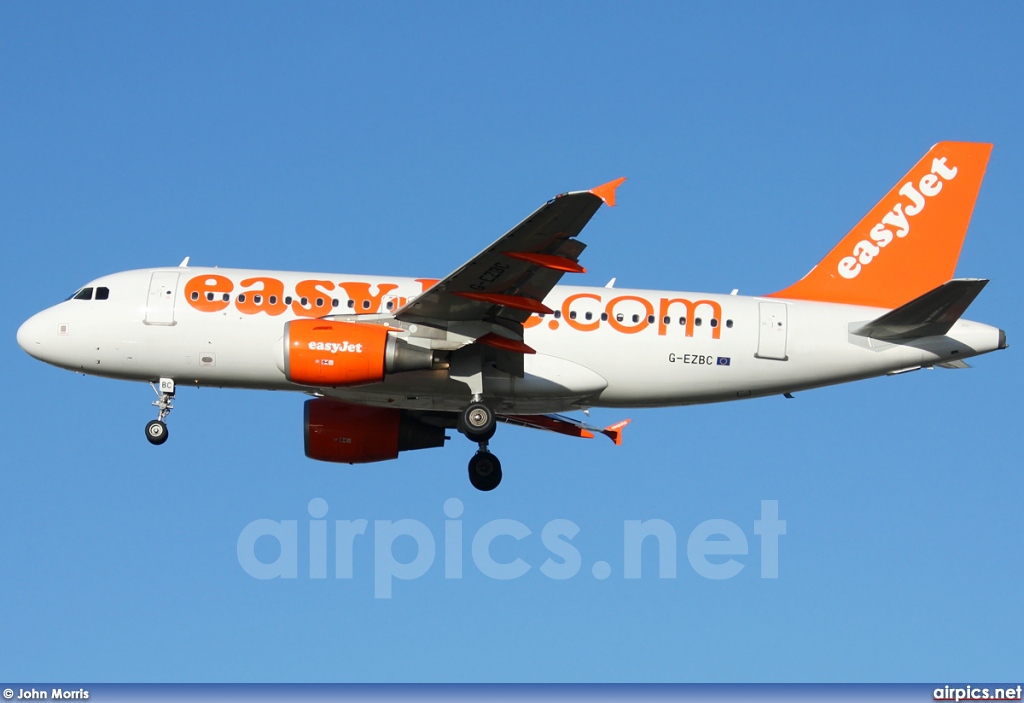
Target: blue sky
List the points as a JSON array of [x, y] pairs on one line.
[[401, 138]]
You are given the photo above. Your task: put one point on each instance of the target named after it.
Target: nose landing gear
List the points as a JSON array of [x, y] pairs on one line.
[[156, 430]]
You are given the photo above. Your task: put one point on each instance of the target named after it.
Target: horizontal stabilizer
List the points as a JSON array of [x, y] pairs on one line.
[[930, 315], [955, 364]]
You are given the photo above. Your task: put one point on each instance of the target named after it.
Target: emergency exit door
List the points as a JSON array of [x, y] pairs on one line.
[[163, 287], [771, 340]]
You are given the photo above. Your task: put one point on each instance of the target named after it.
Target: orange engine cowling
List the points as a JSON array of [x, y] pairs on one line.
[[329, 353], [358, 434], [340, 353]]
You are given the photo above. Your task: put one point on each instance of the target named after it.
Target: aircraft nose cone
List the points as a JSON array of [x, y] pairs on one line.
[[30, 336]]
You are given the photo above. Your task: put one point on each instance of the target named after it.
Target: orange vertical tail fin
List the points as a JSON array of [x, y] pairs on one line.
[[910, 241]]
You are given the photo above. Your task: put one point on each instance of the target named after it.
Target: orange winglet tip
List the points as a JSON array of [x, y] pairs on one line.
[[614, 432], [498, 342], [606, 192], [548, 261], [518, 302]]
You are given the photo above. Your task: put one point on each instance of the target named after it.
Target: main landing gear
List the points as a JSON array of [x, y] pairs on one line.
[[478, 422], [484, 470], [156, 430]]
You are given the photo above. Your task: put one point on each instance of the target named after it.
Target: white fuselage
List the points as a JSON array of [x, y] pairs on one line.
[[603, 347]]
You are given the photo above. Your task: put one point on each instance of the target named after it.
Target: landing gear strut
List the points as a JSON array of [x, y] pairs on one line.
[[156, 430], [478, 422]]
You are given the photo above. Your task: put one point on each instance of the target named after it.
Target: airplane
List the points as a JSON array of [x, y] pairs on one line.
[[392, 363]]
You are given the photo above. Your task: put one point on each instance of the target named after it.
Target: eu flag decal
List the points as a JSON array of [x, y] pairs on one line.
[[724, 360]]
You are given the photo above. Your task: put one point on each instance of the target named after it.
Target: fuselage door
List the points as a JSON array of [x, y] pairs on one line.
[[163, 289], [771, 339]]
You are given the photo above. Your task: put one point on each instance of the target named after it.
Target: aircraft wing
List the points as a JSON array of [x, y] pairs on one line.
[[566, 425], [509, 280]]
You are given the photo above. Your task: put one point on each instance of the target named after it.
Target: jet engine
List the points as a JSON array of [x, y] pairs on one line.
[[357, 434], [337, 353]]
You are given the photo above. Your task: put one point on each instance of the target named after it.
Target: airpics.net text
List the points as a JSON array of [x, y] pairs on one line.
[[270, 549]]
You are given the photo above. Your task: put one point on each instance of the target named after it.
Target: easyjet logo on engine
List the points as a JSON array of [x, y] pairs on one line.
[[866, 250], [336, 348]]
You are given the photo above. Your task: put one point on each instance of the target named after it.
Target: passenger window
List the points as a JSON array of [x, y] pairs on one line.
[[650, 319], [604, 317], [335, 302], [697, 321], [682, 320], [572, 315], [589, 315], [209, 296], [304, 302], [558, 314], [366, 305], [102, 293], [273, 300], [351, 303], [241, 297], [319, 302], [714, 322], [667, 320], [195, 295], [618, 317], [287, 300], [728, 323], [227, 298], [84, 294], [636, 318]]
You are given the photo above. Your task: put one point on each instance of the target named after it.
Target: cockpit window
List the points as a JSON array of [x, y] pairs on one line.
[[84, 294], [102, 293]]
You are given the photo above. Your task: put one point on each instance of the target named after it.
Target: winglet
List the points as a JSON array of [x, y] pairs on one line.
[[606, 192], [614, 432]]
